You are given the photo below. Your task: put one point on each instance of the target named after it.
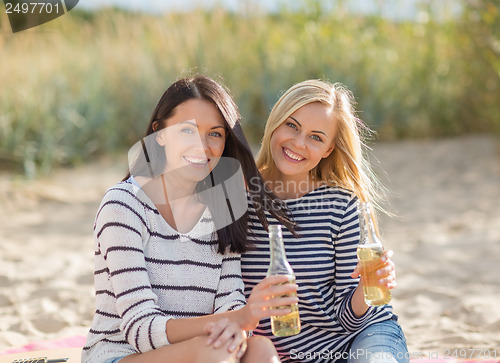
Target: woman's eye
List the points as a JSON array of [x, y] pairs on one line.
[[215, 134], [187, 130], [316, 138], [292, 125]]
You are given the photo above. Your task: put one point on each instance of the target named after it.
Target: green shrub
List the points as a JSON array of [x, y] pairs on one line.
[[86, 83]]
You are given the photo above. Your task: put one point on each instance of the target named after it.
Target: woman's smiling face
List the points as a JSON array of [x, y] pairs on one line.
[[194, 139], [299, 143]]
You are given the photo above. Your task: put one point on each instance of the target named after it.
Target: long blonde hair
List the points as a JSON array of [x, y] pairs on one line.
[[347, 166]]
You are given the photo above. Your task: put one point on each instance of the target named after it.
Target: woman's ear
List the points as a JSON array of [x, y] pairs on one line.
[[154, 126], [329, 151], [160, 137]]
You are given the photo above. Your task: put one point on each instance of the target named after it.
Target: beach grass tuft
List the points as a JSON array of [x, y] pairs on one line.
[[85, 84]]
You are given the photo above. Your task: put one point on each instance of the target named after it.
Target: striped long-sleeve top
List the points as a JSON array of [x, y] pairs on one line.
[[323, 258], [147, 273]]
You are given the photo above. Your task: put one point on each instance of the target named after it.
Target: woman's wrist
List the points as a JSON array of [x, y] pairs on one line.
[[244, 318], [358, 303]]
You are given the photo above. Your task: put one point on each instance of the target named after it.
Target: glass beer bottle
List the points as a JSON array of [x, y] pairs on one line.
[[370, 250], [288, 324]]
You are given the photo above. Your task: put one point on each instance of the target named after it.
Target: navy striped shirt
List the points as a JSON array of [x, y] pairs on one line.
[[323, 258]]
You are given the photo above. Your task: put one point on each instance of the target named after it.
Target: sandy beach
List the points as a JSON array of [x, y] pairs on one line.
[[445, 233]]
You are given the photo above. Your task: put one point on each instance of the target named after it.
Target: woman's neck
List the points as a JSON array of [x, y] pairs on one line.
[[177, 188], [176, 201], [164, 188]]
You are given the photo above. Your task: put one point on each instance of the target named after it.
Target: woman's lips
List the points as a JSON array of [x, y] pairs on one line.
[[197, 161], [290, 155]]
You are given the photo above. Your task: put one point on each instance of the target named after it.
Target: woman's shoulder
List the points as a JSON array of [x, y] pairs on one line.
[[120, 190], [127, 192]]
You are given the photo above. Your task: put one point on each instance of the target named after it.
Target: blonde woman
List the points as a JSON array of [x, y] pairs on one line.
[[312, 159]]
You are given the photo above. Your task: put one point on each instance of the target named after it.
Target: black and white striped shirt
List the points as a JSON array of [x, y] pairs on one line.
[[147, 273], [323, 258]]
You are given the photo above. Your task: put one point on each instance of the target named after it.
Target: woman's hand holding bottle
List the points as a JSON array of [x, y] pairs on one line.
[[270, 297], [387, 272], [267, 299]]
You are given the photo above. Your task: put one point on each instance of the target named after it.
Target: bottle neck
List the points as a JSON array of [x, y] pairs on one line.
[[279, 264], [368, 234]]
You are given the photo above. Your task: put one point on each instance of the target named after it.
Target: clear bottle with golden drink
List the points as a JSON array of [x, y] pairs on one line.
[[370, 250], [289, 324]]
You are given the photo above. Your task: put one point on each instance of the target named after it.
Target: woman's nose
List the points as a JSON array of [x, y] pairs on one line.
[[201, 143], [299, 141]]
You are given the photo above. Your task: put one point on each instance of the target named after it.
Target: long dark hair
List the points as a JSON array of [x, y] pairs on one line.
[[232, 235]]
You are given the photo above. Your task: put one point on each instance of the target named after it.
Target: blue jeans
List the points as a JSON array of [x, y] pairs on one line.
[[382, 342]]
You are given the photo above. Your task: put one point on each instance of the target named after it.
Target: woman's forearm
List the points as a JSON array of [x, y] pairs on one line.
[[178, 330], [358, 303], [265, 300]]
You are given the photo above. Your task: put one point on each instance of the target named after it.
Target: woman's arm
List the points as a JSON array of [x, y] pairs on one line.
[[350, 307], [230, 295], [387, 278], [358, 304], [265, 295], [124, 286], [353, 310]]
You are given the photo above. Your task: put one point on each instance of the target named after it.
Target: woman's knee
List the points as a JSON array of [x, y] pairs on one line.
[[380, 342], [204, 353], [260, 342], [260, 349]]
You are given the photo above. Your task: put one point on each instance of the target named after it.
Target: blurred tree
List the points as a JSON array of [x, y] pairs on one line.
[[481, 39]]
